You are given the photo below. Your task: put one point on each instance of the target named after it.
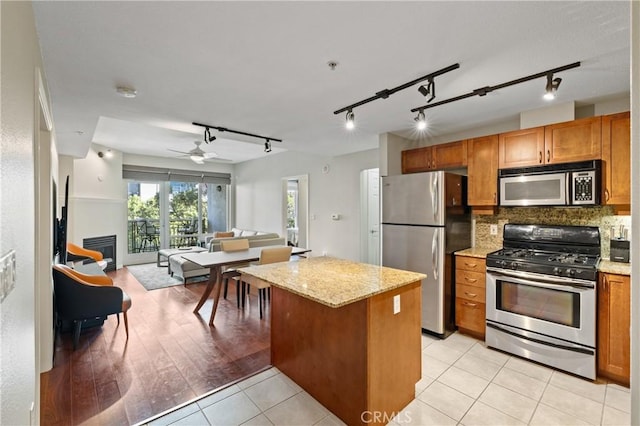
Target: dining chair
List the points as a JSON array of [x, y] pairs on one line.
[[269, 255], [80, 297], [231, 272]]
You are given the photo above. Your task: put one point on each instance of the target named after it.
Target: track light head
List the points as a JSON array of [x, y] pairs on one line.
[[551, 87], [350, 120], [421, 121], [267, 146], [428, 90], [208, 137]]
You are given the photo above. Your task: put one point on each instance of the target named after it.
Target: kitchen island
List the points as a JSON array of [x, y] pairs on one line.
[[346, 332]]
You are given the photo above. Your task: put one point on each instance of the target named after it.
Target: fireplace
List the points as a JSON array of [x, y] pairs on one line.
[[105, 245]]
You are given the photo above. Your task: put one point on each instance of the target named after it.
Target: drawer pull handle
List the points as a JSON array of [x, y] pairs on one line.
[[473, 305], [470, 265], [470, 294], [471, 280]]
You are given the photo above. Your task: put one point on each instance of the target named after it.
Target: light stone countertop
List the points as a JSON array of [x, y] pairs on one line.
[[610, 267], [330, 281], [480, 252]]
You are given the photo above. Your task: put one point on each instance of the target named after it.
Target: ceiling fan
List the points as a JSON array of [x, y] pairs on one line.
[[198, 155]]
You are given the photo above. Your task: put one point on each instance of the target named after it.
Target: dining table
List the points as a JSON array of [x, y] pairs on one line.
[[217, 261]]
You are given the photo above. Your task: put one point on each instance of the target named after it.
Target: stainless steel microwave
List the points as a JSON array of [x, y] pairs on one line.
[[569, 184]]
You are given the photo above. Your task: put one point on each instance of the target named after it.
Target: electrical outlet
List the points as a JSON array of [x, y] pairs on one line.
[[493, 229], [7, 274], [396, 304]]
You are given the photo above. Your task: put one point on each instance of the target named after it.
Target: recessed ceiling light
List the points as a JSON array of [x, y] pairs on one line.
[[126, 92]]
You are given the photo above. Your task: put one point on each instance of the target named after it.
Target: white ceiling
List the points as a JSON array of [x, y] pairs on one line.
[[261, 67]]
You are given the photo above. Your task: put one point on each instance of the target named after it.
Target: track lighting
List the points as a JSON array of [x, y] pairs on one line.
[[350, 120], [267, 146], [207, 136], [552, 87], [428, 89], [421, 121], [210, 138]]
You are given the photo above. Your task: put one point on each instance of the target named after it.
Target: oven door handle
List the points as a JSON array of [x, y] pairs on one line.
[[541, 342], [541, 280]]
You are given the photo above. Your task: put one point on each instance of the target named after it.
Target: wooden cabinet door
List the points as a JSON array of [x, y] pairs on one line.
[[416, 160], [613, 326], [521, 148], [449, 155], [482, 163], [576, 140], [616, 159]]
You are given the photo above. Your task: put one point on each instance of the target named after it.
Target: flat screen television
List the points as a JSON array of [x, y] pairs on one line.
[[60, 227]]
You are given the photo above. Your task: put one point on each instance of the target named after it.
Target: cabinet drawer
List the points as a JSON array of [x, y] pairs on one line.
[[476, 279], [470, 315], [471, 263], [473, 294]]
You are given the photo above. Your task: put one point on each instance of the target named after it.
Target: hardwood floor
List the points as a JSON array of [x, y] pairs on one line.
[[171, 357]]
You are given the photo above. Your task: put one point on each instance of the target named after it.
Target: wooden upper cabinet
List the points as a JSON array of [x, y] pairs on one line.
[[616, 159], [416, 160], [449, 155], [482, 163], [437, 157], [521, 148], [576, 140]]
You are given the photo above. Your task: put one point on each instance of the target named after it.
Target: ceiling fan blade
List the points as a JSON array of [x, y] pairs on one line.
[[218, 160], [179, 152]]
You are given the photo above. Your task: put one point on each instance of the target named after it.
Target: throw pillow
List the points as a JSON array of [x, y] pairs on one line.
[[223, 234], [236, 232], [246, 233]]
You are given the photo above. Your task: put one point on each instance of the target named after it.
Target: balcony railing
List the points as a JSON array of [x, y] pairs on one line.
[[143, 235]]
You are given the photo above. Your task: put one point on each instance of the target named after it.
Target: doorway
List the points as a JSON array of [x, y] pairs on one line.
[[370, 216], [295, 204]]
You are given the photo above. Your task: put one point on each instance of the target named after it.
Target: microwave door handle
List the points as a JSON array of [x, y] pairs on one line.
[[568, 195]]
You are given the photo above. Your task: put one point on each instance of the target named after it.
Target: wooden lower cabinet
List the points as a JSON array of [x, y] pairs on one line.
[[470, 295], [613, 346]]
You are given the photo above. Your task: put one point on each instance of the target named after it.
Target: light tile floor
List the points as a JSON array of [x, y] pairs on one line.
[[463, 383]]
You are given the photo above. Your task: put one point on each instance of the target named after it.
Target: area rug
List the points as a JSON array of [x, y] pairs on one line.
[[153, 277]]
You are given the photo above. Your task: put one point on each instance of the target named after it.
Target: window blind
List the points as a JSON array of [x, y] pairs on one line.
[[154, 174]]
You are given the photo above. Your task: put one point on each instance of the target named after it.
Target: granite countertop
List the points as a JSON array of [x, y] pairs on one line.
[[614, 267], [330, 281], [480, 252]]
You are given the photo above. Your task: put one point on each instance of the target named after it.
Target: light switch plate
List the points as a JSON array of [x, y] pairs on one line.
[[396, 304], [493, 229], [7, 273]]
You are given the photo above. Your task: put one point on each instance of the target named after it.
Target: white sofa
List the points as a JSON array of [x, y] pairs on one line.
[[185, 269]]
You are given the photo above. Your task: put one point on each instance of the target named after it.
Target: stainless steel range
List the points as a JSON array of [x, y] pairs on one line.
[[541, 295]]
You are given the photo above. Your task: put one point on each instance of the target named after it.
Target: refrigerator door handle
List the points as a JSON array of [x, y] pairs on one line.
[[434, 197], [434, 255]]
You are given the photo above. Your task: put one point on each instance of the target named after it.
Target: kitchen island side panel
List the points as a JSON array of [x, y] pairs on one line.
[[395, 349], [360, 360]]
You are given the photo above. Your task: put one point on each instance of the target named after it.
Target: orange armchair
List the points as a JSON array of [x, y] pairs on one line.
[[80, 297], [76, 253]]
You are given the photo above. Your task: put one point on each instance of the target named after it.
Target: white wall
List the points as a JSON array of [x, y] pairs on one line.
[[258, 185], [19, 360]]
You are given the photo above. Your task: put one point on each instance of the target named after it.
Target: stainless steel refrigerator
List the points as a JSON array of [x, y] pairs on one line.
[[425, 219]]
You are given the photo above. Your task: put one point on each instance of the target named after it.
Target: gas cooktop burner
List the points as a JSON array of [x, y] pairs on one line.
[[571, 252]]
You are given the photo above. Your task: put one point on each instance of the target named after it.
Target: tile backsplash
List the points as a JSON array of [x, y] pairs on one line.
[[602, 216]]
